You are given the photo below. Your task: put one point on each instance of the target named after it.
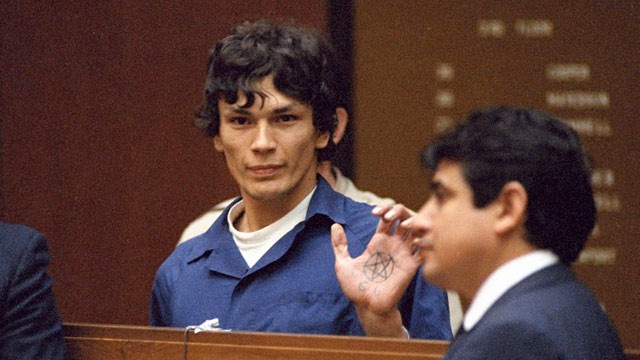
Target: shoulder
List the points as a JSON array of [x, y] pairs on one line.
[[203, 222], [355, 217], [552, 291], [184, 254], [339, 207], [358, 222], [16, 241], [546, 295], [345, 186], [30, 326], [551, 308], [359, 213], [17, 236], [180, 256]]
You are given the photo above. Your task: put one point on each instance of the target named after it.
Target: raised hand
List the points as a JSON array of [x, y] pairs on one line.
[[376, 280]]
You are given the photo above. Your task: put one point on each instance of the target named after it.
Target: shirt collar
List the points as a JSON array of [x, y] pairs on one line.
[[204, 243], [503, 279], [325, 201]]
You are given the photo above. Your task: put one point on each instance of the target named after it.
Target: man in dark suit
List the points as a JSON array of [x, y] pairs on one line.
[[511, 208], [30, 327]]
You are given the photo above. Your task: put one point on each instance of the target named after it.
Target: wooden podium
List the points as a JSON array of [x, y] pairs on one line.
[[107, 342]]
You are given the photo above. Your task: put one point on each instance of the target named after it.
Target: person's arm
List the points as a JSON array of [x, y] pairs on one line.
[[376, 280], [157, 313], [31, 327], [160, 313]]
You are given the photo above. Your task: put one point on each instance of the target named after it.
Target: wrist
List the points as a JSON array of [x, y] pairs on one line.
[[383, 325]]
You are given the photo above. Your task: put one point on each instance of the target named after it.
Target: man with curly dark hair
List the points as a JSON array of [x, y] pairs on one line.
[[266, 263]]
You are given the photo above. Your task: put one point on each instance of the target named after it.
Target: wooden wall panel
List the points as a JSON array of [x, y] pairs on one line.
[[419, 65]]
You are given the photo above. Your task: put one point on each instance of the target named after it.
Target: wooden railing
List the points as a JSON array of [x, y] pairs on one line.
[[110, 342], [107, 342]]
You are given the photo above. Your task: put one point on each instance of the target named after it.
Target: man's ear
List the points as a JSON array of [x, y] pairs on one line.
[[513, 201], [217, 143], [342, 118]]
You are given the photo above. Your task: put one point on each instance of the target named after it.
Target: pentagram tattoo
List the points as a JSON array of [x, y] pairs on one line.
[[379, 267]]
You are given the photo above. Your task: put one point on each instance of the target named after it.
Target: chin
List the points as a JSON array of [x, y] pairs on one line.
[[267, 194], [431, 273], [264, 196]]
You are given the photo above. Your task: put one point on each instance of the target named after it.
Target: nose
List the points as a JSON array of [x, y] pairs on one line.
[[263, 140], [422, 221]]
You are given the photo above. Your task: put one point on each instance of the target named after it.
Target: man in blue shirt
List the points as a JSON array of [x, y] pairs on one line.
[[267, 264]]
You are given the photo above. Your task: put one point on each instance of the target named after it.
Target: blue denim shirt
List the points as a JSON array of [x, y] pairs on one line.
[[293, 288]]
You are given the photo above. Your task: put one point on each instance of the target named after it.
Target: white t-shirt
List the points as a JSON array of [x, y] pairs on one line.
[[253, 245]]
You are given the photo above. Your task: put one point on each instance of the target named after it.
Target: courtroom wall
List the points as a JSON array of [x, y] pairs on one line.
[[420, 65]]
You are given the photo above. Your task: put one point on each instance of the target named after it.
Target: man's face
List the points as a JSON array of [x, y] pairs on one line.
[[458, 241], [270, 147]]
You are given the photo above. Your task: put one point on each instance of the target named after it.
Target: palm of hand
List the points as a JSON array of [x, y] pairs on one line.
[[378, 278]]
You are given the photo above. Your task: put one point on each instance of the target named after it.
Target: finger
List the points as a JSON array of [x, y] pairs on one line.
[[384, 213], [391, 216], [403, 241], [407, 228], [398, 212], [384, 227], [407, 224], [404, 234], [418, 229], [380, 210], [339, 242]]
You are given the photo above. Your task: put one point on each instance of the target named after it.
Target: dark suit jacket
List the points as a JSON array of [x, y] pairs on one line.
[[548, 315], [30, 327]]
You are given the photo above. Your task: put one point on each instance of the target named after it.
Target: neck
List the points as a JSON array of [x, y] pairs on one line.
[[261, 213], [510, 249], [326, 171], [258, 215]]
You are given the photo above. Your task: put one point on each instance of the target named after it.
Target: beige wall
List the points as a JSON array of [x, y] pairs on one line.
[[421, 64]]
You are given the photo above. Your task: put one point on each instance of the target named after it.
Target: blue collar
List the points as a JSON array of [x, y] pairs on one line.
[[325, 203]]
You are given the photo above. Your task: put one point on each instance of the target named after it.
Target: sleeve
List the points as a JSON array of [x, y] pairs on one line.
[[425, 310], [159, 313], [31, 327]]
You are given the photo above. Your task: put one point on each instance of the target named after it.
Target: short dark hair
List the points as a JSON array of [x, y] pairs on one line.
[[503, 143], [301, 60]]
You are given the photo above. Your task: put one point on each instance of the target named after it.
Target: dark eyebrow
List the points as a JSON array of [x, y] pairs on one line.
[[435, 185], [241, 111], [277, 111], [284, 109], [438, 187]]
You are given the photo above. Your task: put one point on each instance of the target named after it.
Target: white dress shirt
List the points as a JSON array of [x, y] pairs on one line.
[[502, 279]]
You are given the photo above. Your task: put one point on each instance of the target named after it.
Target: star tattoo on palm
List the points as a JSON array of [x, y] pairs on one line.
[[379, 267]]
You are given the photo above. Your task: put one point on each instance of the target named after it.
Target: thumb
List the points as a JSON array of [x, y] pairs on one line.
[[339, 241]]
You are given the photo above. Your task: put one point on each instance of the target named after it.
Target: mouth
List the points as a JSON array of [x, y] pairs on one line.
[[423, 243], [264, 170]]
